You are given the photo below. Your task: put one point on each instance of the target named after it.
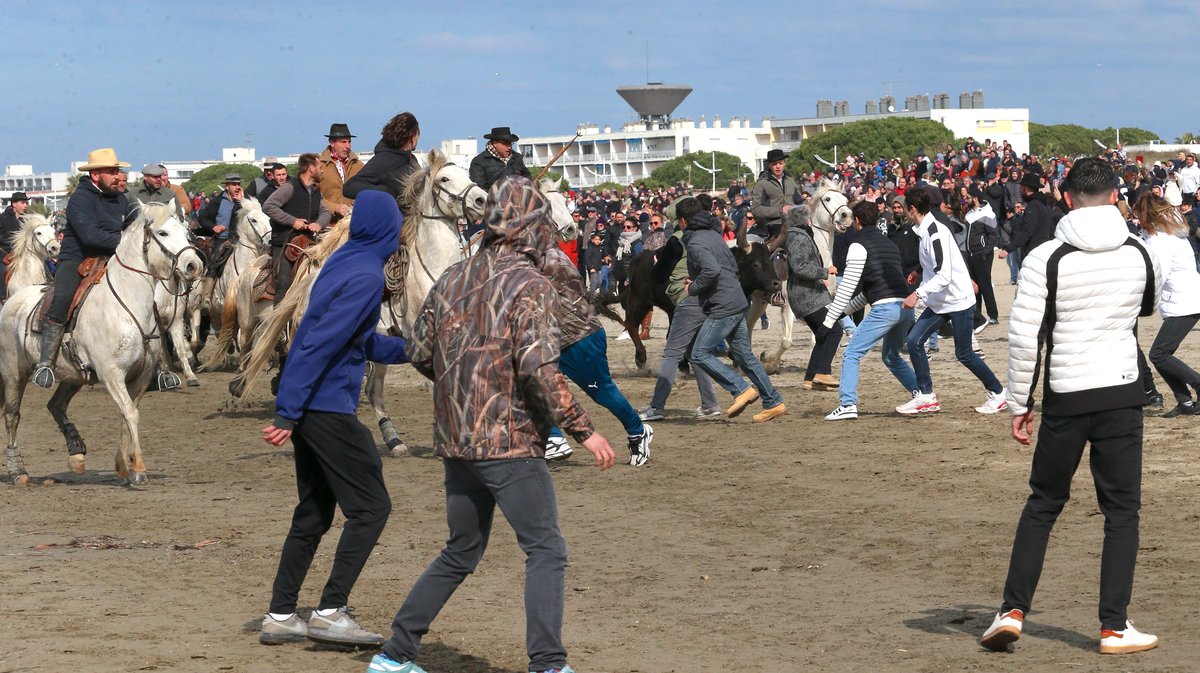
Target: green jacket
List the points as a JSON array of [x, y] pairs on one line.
[[679, 274], [141, 193]]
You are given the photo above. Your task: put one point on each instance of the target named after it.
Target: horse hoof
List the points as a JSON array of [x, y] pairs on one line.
[[75, 463], [138, 479], [193, 383], [399, 451]]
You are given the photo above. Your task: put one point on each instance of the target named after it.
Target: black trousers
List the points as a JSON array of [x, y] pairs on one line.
[[283, 272], [1116, 462], [820, 360], [336, 465], [979, 266], [1162, 355], [66, 281]]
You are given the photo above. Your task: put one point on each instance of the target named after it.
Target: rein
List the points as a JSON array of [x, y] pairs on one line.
[[156, 330]]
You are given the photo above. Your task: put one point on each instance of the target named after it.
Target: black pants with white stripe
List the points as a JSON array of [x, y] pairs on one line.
[[1116, 462], [337, 465]]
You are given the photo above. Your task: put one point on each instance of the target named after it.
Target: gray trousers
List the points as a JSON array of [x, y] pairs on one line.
[[525, 493], [685, 324]]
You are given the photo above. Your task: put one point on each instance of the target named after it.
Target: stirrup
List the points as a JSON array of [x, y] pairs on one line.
[[168, 380], [43, 376]]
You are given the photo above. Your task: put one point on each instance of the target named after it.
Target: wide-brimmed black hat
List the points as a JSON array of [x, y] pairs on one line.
[[18, 196], [337, 130], [503, 134], [776, 155], [1031, 181]]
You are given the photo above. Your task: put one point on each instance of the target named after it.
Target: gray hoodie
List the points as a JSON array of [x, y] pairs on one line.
[[712, 268]]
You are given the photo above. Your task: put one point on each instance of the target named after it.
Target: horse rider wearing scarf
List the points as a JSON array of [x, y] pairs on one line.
[[497, 159], [488, 338], [336, 461], [97, 214], [341, 164]]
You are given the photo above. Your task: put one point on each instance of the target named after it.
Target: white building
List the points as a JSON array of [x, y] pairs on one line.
[[49, 188], [635, 151]]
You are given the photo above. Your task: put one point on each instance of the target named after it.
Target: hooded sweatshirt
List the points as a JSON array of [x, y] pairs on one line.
[[337, 334], [1079, 297], [488, 337], [712, 268]]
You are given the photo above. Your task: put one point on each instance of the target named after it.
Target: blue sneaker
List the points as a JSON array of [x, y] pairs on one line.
[[382, 663], [564, 669]]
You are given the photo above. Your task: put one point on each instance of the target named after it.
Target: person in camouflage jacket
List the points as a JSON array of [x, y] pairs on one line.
[[488, 338]]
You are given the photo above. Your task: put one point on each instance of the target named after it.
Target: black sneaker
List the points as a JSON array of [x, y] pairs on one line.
[[1154, 400], [1184, 409]]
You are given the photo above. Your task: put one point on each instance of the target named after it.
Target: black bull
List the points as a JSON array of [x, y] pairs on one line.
[[756, 272]]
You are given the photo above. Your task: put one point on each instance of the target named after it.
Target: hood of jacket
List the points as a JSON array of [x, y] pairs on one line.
[[374, 232], [704, 220], [517, 218], [1095, 228]]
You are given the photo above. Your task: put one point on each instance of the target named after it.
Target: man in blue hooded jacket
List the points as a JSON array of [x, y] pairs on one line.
[[336, 460]]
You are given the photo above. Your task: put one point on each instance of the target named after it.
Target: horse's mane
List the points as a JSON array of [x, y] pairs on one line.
[[25, 242], [417, 196]]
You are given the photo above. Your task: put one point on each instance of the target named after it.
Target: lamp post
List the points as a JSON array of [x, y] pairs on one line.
[[713, 171]]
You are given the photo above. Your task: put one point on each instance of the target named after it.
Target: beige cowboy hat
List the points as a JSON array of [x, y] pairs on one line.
[[105, 157]]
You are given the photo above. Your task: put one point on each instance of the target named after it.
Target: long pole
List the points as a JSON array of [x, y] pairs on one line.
[[557, 156]]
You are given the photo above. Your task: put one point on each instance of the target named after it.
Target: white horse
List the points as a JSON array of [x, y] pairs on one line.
[[436, 197], [829, 213], [33, 244], [115, 339]]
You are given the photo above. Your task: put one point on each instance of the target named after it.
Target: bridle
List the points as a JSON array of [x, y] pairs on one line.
[[155, 330], [833, 213]]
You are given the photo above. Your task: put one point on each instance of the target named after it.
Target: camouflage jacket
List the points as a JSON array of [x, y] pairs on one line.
[[576, 317], [488, 338]]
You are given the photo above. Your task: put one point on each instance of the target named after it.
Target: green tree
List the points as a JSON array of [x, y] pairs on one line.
[[874, 138], [1188, 137], [678, 170], [72, 183], [1073, 139], [212, 179]]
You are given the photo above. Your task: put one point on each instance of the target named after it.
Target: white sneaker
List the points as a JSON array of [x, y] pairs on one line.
[[639, 446], [1005, 629], [1126, 642], [709, 412], [651, 414], [920, 404], [623, 336], [844, 412], [995, 403], [557, 448]]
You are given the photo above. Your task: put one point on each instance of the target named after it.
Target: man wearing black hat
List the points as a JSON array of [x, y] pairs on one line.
[[153, 189], [1037, 226], [10, 224], [497, 159], [341, 164], [773, 195]]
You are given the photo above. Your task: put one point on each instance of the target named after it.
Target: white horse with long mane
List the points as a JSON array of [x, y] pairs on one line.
[[828, 213], [115, 340], [33, 245]]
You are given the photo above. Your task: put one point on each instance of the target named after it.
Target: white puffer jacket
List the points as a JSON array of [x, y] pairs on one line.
[[1181, 282], [1102, 279]]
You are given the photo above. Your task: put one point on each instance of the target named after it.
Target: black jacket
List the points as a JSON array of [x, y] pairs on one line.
[[9, 226], [486, 169], [1034, 229], [385, 172], [909, 244], [95, 221], [208, 216]]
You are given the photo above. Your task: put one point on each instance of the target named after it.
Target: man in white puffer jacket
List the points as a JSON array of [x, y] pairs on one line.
[[1073, 325]]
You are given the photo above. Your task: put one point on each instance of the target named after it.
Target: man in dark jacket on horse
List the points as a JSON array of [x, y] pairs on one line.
[[295, 208], [10, 224], [97, 213], [497, 159]]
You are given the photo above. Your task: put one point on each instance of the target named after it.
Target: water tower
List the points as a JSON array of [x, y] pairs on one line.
[[654, 102]]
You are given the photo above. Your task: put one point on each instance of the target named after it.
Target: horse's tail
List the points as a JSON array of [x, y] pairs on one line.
[[216, 357], [601, 305], [268, 334]]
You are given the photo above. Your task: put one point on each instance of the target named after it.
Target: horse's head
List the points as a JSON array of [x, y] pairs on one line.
[[37, 237], [830, 208], [47, 239], [254, 227], [164, 243], [563, 222], [452, 191]]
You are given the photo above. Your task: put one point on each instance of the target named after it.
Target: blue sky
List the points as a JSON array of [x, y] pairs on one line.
[[167, 81]]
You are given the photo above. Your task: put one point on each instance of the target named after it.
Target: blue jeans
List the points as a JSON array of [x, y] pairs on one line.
[[884, 322], [963, 323], [1014, 265], [586, 363], [704, 356]]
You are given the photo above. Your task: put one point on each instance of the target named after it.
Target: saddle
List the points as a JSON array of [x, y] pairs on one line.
[[264, 284], [296, 245], [91, 270]]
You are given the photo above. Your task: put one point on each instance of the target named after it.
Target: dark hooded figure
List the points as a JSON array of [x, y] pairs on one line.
[[337, 464]]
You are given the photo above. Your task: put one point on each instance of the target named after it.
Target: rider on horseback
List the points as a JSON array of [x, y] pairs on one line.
[[97, 213], [295, 208], [218, 219]]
